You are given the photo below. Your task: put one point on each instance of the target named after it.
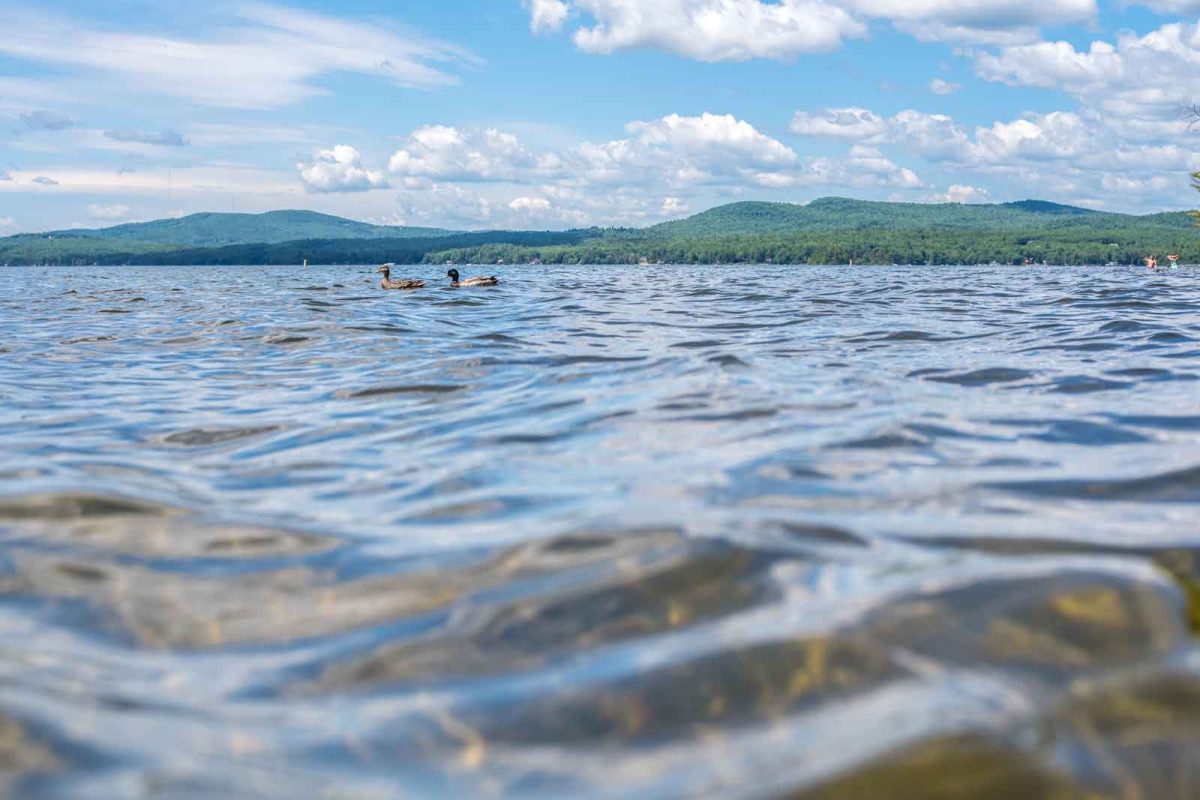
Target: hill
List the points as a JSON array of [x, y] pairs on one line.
[[830, 230], [216, 230], [843, 214]]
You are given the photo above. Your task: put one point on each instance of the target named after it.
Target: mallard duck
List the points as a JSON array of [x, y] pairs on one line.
[[456, 281], [388, 283]]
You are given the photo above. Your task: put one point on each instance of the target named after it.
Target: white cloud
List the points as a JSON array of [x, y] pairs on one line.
[[489, 178], [863, 167], [1037, 137], [547, 15], [715, 30], [445, 205], [42, 180], [960, 193], [445, 153], [339, 170], [1144, 77], [943, 88], [529, 204], [674, 207], [7, 223], [108, 213], [736, 30], [4, 176], [674, 150], [267, 56], [712, 137], [1065, 155]]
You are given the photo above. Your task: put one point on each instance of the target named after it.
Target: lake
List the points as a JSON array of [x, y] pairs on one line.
[[600, 532]]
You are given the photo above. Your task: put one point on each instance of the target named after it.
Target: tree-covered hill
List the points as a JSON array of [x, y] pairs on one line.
[[42, 249], [215, 229], [843, 214], [831, 230], [408, 250]]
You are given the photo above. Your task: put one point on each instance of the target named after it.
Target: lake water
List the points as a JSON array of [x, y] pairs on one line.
[[600, 533]]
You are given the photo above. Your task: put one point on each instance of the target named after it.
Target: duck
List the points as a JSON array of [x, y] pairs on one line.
[[456, 280], [388, 283]]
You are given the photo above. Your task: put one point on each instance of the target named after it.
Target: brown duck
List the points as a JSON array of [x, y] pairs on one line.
[[456, 281], [388, 283]]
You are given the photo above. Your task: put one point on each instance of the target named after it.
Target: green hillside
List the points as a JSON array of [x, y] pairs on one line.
[[216, 230], [837, 230], [842, 214], [38, 248], [830, 230]]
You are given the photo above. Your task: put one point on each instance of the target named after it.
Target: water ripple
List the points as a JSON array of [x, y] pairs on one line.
[[600, 532]]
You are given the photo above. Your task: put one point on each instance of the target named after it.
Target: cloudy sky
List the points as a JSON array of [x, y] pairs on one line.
[[561, 113]]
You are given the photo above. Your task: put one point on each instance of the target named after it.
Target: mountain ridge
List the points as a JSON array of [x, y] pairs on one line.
[[826, 230], [216, 229]]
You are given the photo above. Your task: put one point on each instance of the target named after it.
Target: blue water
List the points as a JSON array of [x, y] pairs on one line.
[[600, 532]]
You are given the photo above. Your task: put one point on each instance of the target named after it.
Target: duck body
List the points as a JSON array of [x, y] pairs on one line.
[[456, 281], [403, 283]]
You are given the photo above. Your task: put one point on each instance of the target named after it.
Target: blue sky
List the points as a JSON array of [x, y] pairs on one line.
[[561, 113]]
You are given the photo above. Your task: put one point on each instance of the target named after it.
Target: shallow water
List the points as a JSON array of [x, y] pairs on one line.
[[600, 532]]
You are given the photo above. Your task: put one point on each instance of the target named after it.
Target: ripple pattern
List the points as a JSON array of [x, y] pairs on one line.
[[600, 533]]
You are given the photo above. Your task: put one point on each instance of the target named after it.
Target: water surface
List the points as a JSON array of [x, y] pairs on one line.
[[600, 532]]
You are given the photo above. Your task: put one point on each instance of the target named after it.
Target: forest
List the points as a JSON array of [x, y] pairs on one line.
[[825, 231]]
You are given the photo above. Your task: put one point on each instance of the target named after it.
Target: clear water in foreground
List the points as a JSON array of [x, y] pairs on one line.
[[601, 532]]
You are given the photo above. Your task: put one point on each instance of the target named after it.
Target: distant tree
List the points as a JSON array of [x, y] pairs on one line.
[[1196, 186], [1195, 114]]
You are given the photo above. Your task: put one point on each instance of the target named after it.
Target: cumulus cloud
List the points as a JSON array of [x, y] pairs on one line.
[[715, 30], [722, 136], [47, 120], [339, 170], [675, 149], [1033, 137], [660, 169], [736, 30], [1063, 154], [547, 15], [445, 153], [1037, 137], [961, 193], [674, 207], [678, 151], [529, 204], [157, 138], [264, 56], [1144, 77], [42, 180], [109, 213], [864, 166]]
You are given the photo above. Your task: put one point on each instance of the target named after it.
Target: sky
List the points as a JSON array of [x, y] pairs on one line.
[[550, 114]]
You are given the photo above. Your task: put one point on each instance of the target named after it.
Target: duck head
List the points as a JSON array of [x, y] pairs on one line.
[[385, 269], [453, 275]]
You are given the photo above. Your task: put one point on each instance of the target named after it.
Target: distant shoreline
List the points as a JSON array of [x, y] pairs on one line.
[[827, 231]]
